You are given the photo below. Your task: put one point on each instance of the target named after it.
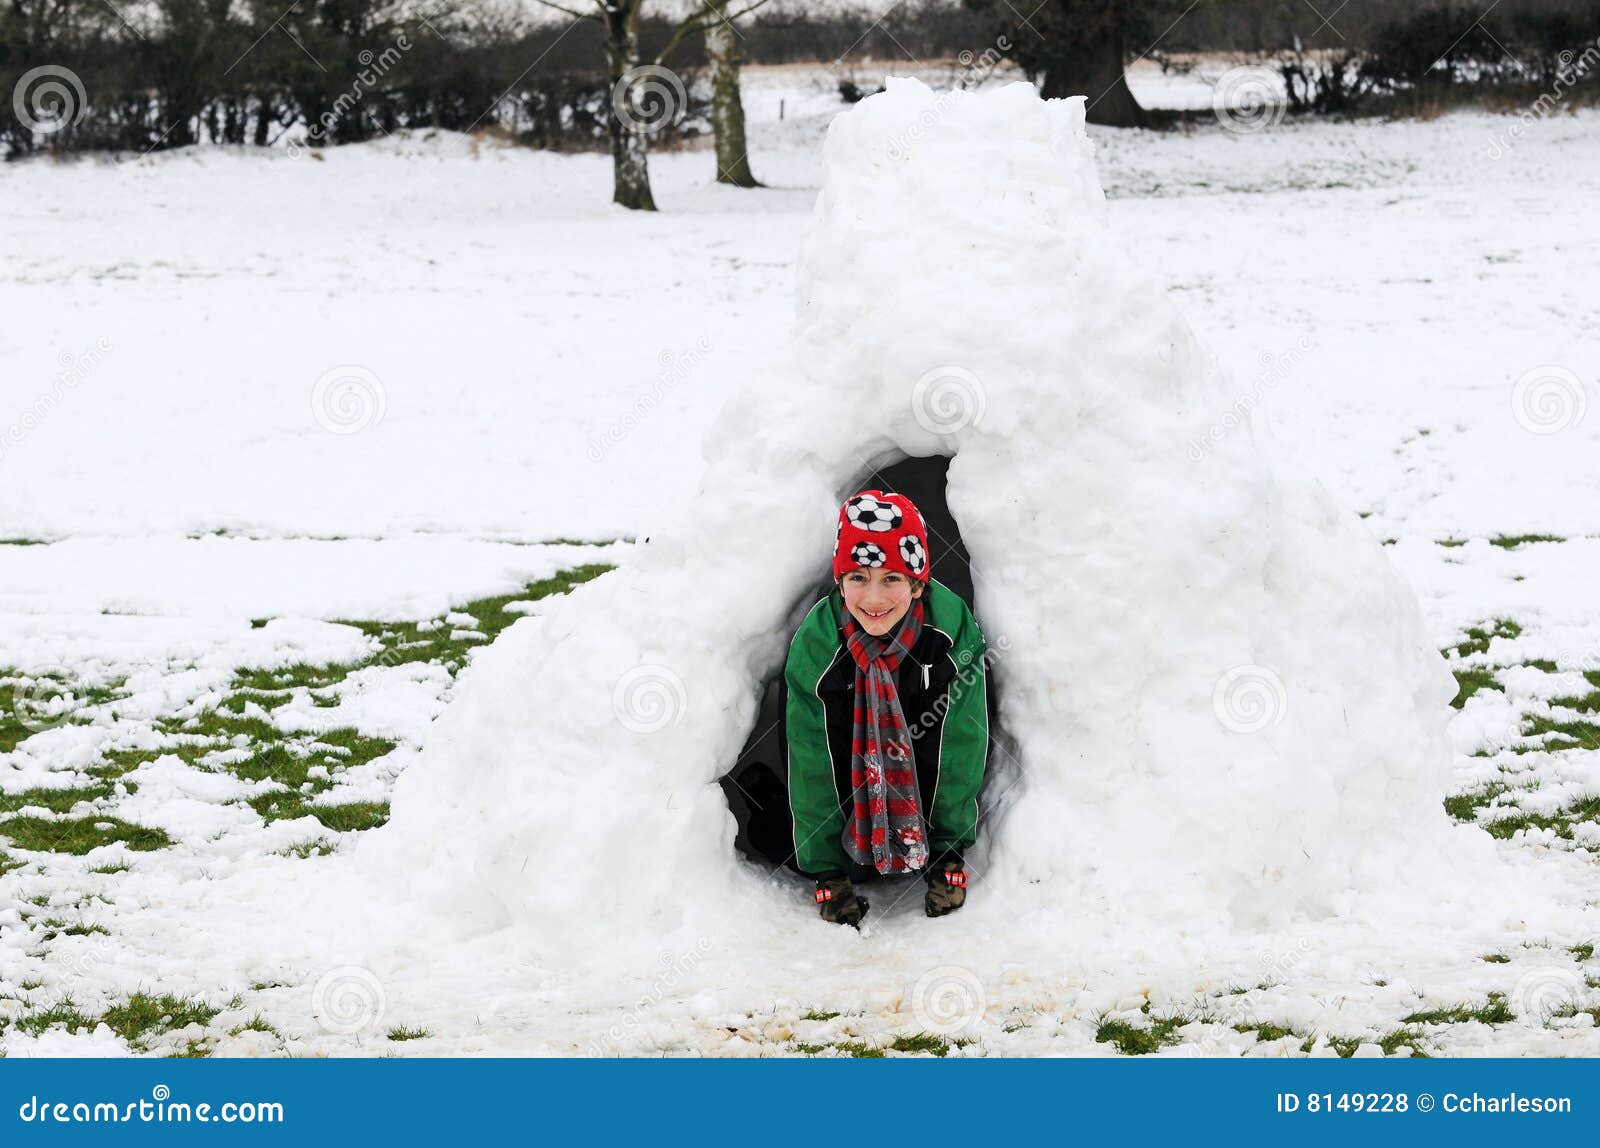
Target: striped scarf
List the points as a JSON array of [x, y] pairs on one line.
[[886, 829]]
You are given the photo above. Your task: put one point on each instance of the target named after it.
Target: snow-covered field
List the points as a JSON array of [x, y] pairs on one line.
[[250, 400]]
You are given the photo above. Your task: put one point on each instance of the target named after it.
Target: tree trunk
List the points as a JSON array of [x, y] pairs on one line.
[[1094, 69], [630, 166], [727, 107]]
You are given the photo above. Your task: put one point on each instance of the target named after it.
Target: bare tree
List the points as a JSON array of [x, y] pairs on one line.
[[1080, 47]]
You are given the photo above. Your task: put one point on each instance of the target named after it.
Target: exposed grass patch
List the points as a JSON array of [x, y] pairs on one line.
[[1465, 806], [63, 1014], [1578, 734], [921, 1042], [813, 1014], [1493, 1011], [352, 816], [55, 800], [1512, 541], [1582, 952], [1479, 637], [79, 835], [1134, 1040], [142, 1016], [1495, 959], [432, 641], [403, 1033], [1469, 681], [32, 703], [859, 1049], [306, 849], [257, 1023], [8, 863], [1505, 828], [1265, 1032], [1404, 1038], [1586, 704]]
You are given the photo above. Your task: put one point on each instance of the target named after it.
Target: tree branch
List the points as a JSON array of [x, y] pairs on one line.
[[711, 13], [562, 8]]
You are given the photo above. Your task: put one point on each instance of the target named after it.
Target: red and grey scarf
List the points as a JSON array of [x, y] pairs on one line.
[[886, 829]]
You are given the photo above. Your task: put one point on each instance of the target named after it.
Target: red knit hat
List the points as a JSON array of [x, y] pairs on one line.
[[879, 531]]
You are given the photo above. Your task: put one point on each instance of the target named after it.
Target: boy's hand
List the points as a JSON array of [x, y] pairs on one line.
[[838, 902], [947, 889]]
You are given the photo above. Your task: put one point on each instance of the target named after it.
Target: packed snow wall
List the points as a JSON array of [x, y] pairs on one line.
[[1222, 702]]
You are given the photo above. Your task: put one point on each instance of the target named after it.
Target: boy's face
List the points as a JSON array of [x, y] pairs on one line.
[[878, 599]]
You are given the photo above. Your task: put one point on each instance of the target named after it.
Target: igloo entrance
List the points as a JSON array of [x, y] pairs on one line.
[[756, 786]]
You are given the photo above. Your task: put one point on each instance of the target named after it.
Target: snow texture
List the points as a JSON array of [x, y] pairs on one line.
[[1220, 704]]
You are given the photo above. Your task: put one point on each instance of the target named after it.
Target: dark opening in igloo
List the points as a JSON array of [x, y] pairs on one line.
[[756, 787]]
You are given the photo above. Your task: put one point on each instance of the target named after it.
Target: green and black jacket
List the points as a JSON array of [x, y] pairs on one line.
[[944, 693]]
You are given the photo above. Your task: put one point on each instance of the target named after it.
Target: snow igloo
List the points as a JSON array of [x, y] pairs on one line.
[[1218, 703]]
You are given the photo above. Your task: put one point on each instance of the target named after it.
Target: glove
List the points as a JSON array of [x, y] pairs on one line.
[[947, 888], [838, 902]]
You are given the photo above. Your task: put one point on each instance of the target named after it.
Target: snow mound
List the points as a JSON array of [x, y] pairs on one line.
[[1220, 703]]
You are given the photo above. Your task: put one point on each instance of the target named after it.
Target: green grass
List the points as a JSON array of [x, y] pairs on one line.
[[27, 703], [1582, 952], [403, 1033], [1561, 822], [921, 1042], [1133, 1040], [142, 1016], [1464, 806], [79, 835], [55, 800], [1512, 541], [1578, 734], [257, 1023], [1493, 1011], [1478, 637], [858, 1049], [1586, 704], [1469, 681], [271, 754], [1495, 959], [63, 1014]]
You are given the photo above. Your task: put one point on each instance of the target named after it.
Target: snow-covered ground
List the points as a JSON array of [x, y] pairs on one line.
[[248, 396]]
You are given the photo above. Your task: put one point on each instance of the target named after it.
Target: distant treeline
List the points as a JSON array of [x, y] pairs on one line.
[[79, 75]]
